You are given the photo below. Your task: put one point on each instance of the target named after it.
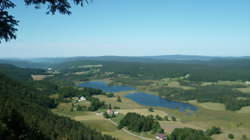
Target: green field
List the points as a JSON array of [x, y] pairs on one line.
[[209, 113]]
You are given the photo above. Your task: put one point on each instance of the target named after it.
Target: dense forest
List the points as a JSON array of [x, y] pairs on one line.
[[25, 114], [212, 70], [140, 123], [213, 93], [19, 73]]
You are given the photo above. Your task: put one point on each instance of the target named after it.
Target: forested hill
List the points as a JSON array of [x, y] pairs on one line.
[[19, 73], [213, 70], [25, 115]]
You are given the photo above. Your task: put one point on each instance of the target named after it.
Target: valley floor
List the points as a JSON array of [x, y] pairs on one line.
[[205, 117]]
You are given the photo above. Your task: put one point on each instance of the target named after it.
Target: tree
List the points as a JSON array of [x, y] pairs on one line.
[[212, 131], [157, 117], [8, 23], [166, 118], [150, 109], [105, 115], [244, 137], [119, 99], [173, 118], [188, 134], [230, 136]]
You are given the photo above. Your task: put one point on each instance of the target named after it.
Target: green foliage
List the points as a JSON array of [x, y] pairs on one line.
[[166, 118], [8, 22], [21, 74], [213, 131], [119, 99], [96, 104], [188, 134], [173, 118], [230, 136], [24, 114], [140, 123], [105, 115], [150, 109], [159, 118], [213, 93], [110, 95], [244, 137], [116, 107]]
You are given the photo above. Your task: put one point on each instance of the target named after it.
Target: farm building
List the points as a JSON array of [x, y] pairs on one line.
[[82, 99]]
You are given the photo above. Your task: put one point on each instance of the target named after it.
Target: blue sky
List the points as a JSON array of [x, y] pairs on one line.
[[134, 28]]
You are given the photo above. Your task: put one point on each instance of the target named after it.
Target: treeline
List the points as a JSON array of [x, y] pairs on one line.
[[24, 114], [69, 92], [198, 70], [188, 134], [140, 123], [213, 93], [21, 74]]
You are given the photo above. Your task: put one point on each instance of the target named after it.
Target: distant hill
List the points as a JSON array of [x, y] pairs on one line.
[[44, 63], [19, 73]]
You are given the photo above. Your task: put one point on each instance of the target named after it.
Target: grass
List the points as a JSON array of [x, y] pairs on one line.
[[244, 90], [170, 126], [170, 82], [237, 123], [144, 112], [208, 115], [121, 135], [40, 77], [223, 83], [244, 110], [209, 105], [100, 125], [125, 104]]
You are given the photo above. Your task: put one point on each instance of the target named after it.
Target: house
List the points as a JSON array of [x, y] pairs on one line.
[[161, 137], [116, 112], [110, 112], [82, 99]]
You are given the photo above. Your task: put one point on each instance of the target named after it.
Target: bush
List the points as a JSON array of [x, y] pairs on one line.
[[119, 99], [159, 118], [173, 118], [110, 95], [150, 109], [166, 118], [188, 134], [230, 136], [244, 137], [214, 130]]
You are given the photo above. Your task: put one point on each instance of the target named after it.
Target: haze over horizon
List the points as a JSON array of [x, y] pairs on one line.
[[134, 28]]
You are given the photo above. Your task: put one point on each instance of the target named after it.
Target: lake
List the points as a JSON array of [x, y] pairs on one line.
[[140, 97], [105, 87], [153, 100]]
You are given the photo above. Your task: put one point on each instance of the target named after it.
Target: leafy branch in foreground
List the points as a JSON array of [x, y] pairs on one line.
[[8, 22]]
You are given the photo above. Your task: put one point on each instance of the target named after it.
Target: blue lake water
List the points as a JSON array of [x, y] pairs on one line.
[[105, 87], [153, 100], [140, 97]]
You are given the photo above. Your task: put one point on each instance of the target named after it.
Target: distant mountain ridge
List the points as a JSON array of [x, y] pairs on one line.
[[49, 61]]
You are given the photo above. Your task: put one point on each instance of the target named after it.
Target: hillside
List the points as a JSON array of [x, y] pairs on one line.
[[25, 114]]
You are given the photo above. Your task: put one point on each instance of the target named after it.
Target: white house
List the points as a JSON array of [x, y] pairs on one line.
[[82, 99], [116, 112]]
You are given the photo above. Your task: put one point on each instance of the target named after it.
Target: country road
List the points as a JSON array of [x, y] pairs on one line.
[[130, 133]]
